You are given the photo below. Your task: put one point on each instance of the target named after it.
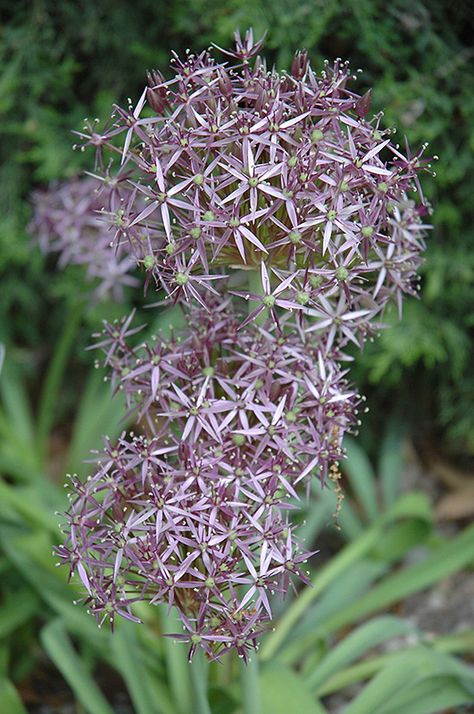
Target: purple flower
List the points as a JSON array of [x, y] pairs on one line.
[[69, 220], [184, 533], [237, 183], [192, 513], [236, 168]]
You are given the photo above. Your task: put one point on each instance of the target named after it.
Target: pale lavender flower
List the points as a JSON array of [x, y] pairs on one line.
[[249, 395], [68, 220]]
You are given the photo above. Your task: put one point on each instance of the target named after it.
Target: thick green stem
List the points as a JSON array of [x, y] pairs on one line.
[[255, 287], [250, 686], [198, 666], [177, 665], [249, 671], [49, 394]]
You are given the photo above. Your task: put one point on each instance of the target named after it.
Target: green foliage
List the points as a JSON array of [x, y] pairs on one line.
[[331, 631], [283, 691], [60, 649]]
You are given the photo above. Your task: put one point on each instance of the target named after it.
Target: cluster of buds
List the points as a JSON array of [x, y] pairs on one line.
[[282, 222]]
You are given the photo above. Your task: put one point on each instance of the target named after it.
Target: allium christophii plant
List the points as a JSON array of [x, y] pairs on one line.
[[282, 221], [68, 220]]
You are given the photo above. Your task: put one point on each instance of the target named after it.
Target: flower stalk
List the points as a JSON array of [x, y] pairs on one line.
[[197, 670], [250, 687], [49, 394]]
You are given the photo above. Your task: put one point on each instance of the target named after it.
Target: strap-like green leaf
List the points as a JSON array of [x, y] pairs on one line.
[[282, 691], [356, 644], [443, 561], [362, 478], [418, 671], [10, 701], [17, 609], [390, 464], [59, 647], [350, 585], [98, 413], [127, 657], [430, 696], [402, 672]]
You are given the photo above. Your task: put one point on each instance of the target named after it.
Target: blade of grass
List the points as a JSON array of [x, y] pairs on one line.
[[401, 537], [59, 648], [17, 429], [31, 556], [10, 701], [357, 643], [403, 671], [430, 696], [16, 610], [354, 584], [52, 384], [161, 694], [283, 691], [127, 657], [320, 515], [350, 585], [250, 686], [351, 554], [412, 505], [98, 413], [454, 644], [406, 670], [177, 664], [198, 671], [16, 405], [28, 503], [442, 562], [317, 515], [390, 464], [361, 477]]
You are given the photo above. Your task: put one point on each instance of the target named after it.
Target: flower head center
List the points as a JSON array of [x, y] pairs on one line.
[[181, 279]]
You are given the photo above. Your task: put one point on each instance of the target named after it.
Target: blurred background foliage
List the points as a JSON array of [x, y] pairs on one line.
[[62, 62]]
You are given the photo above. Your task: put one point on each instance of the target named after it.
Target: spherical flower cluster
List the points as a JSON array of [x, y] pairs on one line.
[[241, 166], [68, 220], [192, 510], [282, 222], [181, 532], [238, 399]]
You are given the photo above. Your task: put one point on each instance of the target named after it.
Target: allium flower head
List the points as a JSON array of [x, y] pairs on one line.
[[240, 399], [68, 219], [240, 167], [192, 510], [282, 221], [185, 534]]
